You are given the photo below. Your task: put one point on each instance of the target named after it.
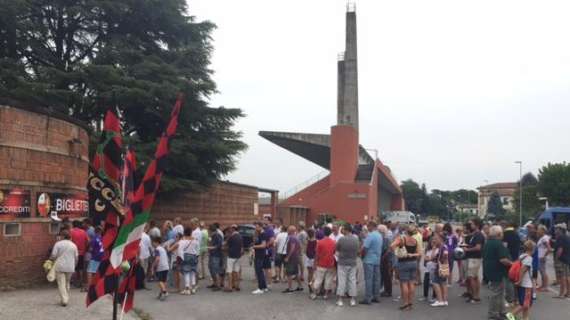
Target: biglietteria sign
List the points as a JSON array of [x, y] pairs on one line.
[[62, 205]]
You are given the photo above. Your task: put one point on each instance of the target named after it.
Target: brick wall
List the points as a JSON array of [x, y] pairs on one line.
[[37, 149], [223, 202], [40, 153], [23, 256]]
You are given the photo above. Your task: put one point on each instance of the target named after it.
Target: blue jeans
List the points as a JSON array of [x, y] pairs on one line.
[[259, 274], [371, 281]]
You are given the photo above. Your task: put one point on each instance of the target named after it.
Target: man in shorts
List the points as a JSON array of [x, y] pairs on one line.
[[215, 258], [97, 251], [268, 236], [562, 259], [325, 262], [235, 251], [291, 260], [473, 254], [280, 253]]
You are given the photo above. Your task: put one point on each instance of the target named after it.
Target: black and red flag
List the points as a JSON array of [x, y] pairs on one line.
[[105, 201], [125, 242]]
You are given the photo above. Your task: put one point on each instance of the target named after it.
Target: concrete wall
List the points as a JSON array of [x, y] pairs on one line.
[[38, 153], [225, 203]]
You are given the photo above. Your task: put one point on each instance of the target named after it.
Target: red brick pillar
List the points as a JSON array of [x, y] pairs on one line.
[[344, 154]]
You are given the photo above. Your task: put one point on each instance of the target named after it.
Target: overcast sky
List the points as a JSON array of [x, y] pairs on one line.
[[451, 92]]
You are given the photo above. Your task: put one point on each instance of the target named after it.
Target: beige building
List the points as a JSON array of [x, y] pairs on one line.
[[506, 191]]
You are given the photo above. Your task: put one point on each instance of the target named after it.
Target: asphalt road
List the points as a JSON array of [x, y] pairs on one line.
[[276, 305], [43, 303]]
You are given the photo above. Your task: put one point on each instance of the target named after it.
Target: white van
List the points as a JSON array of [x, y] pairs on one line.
[[403, 217]]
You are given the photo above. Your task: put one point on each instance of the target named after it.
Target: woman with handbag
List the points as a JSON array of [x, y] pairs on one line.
[[405, 248], [441, 273]]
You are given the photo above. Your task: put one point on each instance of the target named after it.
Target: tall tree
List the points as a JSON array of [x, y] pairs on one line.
[[495, 206], [414, 196], [531, 204], [554, 183], [77, 57]]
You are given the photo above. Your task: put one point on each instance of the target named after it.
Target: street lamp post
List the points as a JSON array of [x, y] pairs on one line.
[[520, 192]]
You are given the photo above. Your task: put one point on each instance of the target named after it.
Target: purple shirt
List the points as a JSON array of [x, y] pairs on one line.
[[320, 234], [293, 249], [267, 235], [97, 250]]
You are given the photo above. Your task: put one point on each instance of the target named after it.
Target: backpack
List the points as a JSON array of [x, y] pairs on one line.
[[515, 271]]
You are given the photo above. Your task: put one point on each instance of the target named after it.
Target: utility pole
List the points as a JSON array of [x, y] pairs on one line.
[[520, 192]]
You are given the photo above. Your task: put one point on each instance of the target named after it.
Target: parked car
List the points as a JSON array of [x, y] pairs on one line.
[[247, 232]]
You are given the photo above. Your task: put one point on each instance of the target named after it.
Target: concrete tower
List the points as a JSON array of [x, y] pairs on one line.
[[347, 99], [358, 187]]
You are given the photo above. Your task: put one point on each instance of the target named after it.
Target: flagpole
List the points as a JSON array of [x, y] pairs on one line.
[[115, 297], [123, 306]]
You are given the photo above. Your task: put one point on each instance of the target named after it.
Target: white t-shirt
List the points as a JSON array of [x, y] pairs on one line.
[[281, 243], [197, 235], [65, 254], [431, 265], [543, 246], [188, 246], [145, 246], [526, 261], [160, 252], [336, 237]]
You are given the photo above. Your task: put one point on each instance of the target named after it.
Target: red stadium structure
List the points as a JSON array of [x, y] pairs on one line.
[[358, 186]]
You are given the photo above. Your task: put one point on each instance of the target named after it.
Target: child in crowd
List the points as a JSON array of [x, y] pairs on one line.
[[160, 267], [525, 285]]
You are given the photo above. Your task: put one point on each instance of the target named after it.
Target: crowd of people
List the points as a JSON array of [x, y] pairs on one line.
[[324, 259]]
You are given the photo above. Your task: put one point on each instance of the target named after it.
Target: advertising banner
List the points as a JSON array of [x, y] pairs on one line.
[[61, 205], [14, 203]]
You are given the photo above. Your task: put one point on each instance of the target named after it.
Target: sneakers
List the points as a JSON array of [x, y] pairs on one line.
[[193, 291], [474, 301], [352, 302], [438, 304], [339, 303], [288, 291], [258, 291], [313, 296]]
